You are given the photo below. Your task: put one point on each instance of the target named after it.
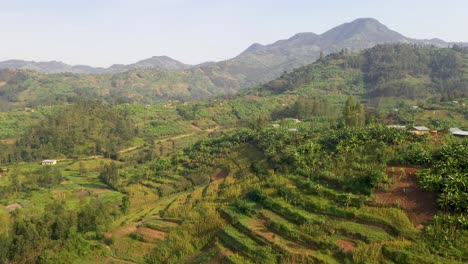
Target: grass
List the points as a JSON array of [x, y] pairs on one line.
[[130, 249], [394, 217], [360, 231]]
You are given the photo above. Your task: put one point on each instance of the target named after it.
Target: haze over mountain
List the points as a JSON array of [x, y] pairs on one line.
[[163, 62], [258, 59], [159, 78]]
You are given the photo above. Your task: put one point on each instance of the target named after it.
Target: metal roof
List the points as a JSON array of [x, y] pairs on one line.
[[396, 126], [421, 128], [460, 133]]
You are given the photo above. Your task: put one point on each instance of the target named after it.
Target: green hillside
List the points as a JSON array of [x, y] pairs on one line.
[[299, 170], [400, 70]]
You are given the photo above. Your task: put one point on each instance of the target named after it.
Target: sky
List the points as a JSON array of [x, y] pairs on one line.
[[106, 32]]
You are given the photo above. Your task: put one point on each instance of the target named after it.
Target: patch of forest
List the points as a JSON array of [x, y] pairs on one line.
[[398, 70]]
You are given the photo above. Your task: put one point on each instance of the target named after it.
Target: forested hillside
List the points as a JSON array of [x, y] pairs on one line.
[[399, 70]]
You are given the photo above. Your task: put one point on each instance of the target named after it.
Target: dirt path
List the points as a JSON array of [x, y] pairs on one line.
[[418, 204], [127, 150], [195, 127], [112, 260], [188, 134], [177, 137]]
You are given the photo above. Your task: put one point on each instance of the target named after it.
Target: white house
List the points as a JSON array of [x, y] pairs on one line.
[[419, 130], [49, 162]]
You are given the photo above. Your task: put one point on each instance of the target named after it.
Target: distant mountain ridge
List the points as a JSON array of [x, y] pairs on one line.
[[259, 63], [162, 78], [163, 62]]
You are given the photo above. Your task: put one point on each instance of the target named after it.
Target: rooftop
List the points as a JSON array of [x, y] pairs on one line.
[[454, 129], [420, 128]]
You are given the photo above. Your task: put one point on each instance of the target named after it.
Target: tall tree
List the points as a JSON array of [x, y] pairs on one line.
[[353, 113]]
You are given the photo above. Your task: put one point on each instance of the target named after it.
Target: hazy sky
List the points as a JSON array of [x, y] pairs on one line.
[[104, 32]]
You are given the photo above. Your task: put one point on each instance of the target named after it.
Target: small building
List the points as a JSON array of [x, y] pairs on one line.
[[292, 130], [275, 125], [454, 129], [396, 127], [295, 120], [419, 130], [49, 162], [458, 132]]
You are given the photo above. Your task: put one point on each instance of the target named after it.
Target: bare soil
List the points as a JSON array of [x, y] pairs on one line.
[[220, 175], [418, 204], [82, 193], [123, 230], [151, 234], [345, 245], [260, 229]]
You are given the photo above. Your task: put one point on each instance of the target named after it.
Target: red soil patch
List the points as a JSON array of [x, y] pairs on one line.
[[418, 204], [123, 230], [220, 175], [151, 234], [345, 245], [260, 229], [82, 193]]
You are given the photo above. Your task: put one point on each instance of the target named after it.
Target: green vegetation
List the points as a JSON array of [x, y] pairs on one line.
[[300, 170], [400, 70]]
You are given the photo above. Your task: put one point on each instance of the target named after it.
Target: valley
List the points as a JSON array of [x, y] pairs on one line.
[[305, 168]]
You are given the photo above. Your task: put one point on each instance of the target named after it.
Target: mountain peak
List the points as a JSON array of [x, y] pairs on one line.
[[365, 32], [254, 47]]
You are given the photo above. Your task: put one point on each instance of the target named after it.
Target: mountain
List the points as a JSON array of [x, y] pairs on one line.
[[388, 70], [162, 78], [162, 62], [260, 63]]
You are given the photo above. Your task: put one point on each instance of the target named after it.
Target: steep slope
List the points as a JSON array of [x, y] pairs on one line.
[[395, 70], [357, 35], [160, 78], [260, 63], [402, 70]]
